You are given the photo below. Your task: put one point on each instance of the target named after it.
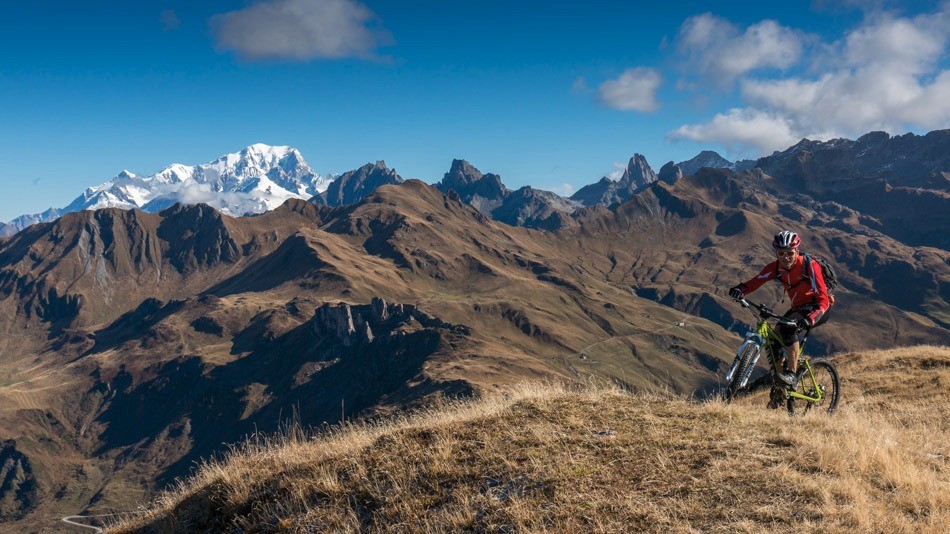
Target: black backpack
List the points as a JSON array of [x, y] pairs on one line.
[[831, 278]]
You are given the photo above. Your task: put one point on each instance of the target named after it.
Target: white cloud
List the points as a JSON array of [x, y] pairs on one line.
[[565, 189], [741, 128], [634, 90], [720, 50], [902, 44], [883, 75], [300, 30]]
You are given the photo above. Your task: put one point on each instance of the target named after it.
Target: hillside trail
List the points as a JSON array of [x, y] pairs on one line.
[[69, 521]]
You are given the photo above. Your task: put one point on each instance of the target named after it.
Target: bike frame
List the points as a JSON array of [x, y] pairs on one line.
[[769, 339]]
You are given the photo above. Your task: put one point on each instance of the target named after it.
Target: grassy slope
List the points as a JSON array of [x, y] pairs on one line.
[[546, 458]]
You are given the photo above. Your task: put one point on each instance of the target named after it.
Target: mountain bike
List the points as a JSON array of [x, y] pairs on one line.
[[817, 381]]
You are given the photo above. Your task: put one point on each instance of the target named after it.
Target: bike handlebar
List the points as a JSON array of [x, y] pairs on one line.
[[766, 312]]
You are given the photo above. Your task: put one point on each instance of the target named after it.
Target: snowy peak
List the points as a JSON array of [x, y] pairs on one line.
[[258, 160], [253, 180]]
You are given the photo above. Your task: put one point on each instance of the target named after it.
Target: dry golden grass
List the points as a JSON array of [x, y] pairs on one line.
[[559, 459]]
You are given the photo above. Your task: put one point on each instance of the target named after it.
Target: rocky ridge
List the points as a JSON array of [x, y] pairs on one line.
[[607, 192], [527, 206], [352, 186]]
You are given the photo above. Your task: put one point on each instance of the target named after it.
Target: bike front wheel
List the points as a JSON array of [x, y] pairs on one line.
[[824, 376], [744, 361]]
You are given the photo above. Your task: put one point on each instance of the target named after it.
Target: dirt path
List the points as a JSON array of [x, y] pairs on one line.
[[69, 521]]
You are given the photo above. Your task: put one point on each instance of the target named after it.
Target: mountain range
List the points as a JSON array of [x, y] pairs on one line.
[[133, 344], [256, 179], [261, 177]]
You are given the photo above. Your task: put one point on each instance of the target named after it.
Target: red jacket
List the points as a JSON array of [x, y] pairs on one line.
[[802, 289]]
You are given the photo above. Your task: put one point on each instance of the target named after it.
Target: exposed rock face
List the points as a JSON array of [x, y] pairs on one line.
[[18, 490], [527, 206], [354, 324], [90, 266], [744, 165], [638, 173], [712, 160], [706, 158], [485, 192], [198, 237], [901, 180], [607, 192], [354, 185], [461, 175], [822, 167], [535, 208], [670, 173]]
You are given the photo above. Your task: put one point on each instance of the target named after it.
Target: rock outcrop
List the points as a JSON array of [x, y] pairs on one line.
[[354, 185], [484, 192], [530, 207], [18, 489], [670, 173], [637, 176], [354, 324]]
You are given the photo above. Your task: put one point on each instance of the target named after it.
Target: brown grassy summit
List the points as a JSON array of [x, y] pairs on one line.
[[551, 458]]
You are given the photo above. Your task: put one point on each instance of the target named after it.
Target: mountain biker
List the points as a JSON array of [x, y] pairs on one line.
[[805, 286]]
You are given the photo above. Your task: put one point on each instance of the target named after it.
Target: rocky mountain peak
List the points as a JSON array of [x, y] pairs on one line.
[[370, 168], [638, 172], [873, 138], [670, 173], [706, 158], [485, 192], [354, 185], [606, 192], [461, 174]]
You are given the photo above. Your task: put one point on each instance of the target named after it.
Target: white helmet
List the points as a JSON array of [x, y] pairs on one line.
[[786, 240]]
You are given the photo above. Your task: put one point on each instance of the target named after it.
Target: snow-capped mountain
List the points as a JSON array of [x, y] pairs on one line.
[[254, 180]]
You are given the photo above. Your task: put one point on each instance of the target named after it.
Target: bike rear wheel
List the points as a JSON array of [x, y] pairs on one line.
[[826, 376]]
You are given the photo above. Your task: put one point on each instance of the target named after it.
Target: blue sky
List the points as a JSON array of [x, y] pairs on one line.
[[551, 94]]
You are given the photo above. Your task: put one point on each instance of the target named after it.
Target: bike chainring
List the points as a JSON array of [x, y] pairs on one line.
[[778, 395]]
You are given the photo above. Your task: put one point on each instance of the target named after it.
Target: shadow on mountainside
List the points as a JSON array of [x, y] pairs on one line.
[[133, 325], [294, 259]]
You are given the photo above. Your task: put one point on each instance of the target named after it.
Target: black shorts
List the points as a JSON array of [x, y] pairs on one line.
[[790, 334]]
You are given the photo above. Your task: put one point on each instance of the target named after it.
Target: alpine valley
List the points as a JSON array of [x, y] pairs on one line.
[[156, 319]]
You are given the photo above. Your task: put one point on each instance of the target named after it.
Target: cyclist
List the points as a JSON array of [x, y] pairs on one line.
[[805, 285]]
